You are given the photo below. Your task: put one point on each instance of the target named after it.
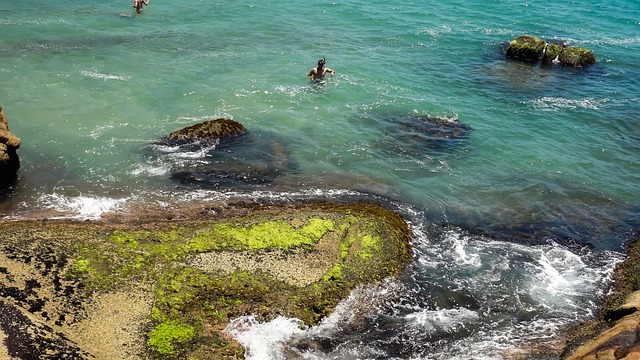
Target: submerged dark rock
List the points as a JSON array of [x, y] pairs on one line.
[[416, 134], [255, 161]]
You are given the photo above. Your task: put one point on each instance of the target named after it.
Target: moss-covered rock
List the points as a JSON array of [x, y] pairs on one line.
[[577, 56], [172, 286], [532, 49], [208, 130], [551, 53], [526, 48]]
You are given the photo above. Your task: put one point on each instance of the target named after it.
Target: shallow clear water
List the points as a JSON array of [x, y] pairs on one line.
[[538, 187]]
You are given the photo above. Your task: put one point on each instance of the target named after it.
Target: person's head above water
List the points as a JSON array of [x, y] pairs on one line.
[[318, 73]]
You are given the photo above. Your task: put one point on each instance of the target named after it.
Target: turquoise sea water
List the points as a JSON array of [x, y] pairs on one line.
[[517, 220]]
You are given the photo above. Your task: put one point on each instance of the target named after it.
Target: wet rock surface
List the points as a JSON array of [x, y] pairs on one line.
[[615, 334]]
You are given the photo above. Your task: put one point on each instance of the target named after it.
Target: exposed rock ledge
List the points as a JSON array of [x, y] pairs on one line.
[[165, 285], [616, 333]]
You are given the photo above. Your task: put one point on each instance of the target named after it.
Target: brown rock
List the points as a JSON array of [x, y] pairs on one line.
[[9, 160], [618, 342], [208, 130]]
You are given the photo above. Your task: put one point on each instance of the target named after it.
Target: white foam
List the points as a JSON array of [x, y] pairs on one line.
[[462, 253], [271, 340], [98, 75], [208, 195], [263, 341], [150, 170], [563, 103], [81, 207], [443, 321]]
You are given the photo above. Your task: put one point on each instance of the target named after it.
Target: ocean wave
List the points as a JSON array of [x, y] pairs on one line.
[[614, 41], [443, 321], [141, 170], [80, 207], [33, 22], [98, 75], [263, 340], [563, 103]]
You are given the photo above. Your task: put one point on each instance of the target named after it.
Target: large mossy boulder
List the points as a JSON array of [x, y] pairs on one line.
[[209, 130], [165, 284], [526, 48], [551, 53], [577, 56]]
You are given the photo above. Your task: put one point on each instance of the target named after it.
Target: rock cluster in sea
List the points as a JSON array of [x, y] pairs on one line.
[[9, 160], [533, 49]]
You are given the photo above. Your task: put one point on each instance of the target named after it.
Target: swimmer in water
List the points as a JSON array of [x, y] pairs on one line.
[[318, 73], [137, 4]]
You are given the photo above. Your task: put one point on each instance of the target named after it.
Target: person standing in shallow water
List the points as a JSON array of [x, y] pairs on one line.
[[318, 73], [137, 4]]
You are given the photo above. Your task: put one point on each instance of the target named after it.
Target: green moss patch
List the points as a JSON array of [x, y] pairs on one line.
[[526, 48], [167, 336], [577, 56]]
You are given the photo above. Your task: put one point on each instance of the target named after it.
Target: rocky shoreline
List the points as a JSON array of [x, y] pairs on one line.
[[615, 334], [166, 284]]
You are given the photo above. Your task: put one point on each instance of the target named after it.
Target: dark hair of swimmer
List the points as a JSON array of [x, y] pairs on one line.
[[322, 61]]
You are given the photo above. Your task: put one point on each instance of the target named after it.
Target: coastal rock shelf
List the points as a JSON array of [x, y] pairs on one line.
[[166, 284], [615, 334]]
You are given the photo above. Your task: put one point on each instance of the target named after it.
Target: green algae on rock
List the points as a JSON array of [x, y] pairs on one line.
[[208, 130], [190, 278], [532, 49], [551, 53], [577, 56], [526, 48]]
